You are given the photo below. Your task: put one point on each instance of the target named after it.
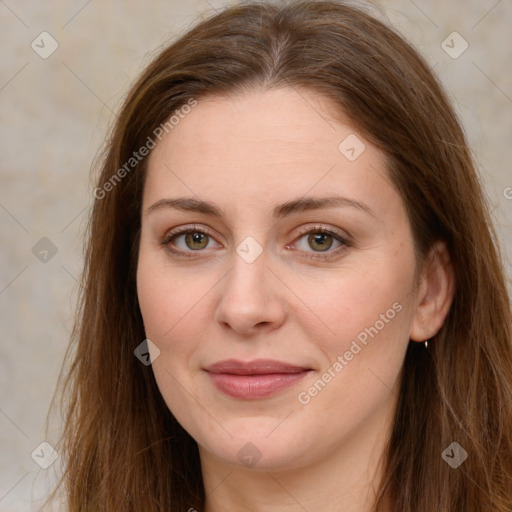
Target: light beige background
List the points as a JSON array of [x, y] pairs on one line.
[[54, 115]]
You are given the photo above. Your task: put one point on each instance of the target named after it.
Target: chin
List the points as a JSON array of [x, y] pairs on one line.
[[259, 446]]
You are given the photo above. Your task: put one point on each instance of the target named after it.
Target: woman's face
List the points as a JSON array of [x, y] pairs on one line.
[[267, 269]]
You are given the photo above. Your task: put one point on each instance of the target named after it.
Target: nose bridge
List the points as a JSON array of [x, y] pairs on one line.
[[249, 296], [249, 268]]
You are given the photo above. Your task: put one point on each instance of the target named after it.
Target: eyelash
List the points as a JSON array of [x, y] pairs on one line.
[[317, 229]]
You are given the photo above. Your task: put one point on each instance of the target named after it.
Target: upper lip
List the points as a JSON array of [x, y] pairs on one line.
[[254, 367]]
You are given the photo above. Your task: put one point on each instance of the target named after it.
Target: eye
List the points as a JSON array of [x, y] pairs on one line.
[[321, 240], [194, 239]]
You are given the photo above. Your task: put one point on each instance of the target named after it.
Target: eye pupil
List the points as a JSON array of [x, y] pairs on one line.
[[319, 238]]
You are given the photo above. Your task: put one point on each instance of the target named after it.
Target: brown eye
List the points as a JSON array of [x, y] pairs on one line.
[[187, 240], [317, 241], [195, 240], [321, 241]]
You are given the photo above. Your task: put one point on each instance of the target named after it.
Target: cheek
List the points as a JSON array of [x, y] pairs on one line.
[[366, 313], [344, 305], [165, 299], [170, 311], [363, 355], [176, 307], [170, 307]]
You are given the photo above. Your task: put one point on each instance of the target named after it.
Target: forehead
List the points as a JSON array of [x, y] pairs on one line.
[[275, 119], [264, 145]]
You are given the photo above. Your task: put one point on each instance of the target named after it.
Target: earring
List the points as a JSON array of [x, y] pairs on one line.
[[426, 344]]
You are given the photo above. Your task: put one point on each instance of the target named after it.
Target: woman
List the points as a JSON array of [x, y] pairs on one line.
[[293, 295]]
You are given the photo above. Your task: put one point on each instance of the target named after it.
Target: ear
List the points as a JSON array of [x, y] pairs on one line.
[[435, 293]]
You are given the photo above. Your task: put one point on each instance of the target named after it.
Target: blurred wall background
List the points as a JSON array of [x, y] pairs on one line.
[[64, 70]]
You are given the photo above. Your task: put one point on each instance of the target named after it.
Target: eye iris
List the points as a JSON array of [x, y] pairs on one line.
[[195, 238], [319, 238]]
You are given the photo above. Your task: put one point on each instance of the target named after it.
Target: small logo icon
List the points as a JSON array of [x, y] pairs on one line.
[[454, 455], [249, 455], [147, 352], [44, 45], [44, 455], [352, 147], [44, 250], [249, 249], [454, 45]]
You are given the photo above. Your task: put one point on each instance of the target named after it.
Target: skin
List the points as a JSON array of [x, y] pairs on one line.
[[247, 155]]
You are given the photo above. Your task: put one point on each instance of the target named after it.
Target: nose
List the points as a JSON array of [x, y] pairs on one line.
[[252, 297]]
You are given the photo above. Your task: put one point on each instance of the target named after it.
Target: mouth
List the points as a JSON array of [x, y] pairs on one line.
[[255, 379]]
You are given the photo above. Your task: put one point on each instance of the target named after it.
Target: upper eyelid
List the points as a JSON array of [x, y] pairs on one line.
[[175, 232], [317, 227]]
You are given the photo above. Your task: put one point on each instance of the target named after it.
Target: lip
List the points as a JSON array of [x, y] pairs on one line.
[[255, 379]]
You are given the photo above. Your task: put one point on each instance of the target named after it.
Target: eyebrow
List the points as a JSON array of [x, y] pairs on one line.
[[189, 204]]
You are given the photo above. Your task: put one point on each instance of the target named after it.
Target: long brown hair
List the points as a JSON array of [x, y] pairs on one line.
[[123, 449]]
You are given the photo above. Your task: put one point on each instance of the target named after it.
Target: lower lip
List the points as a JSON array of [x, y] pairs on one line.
[[255, 386]]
